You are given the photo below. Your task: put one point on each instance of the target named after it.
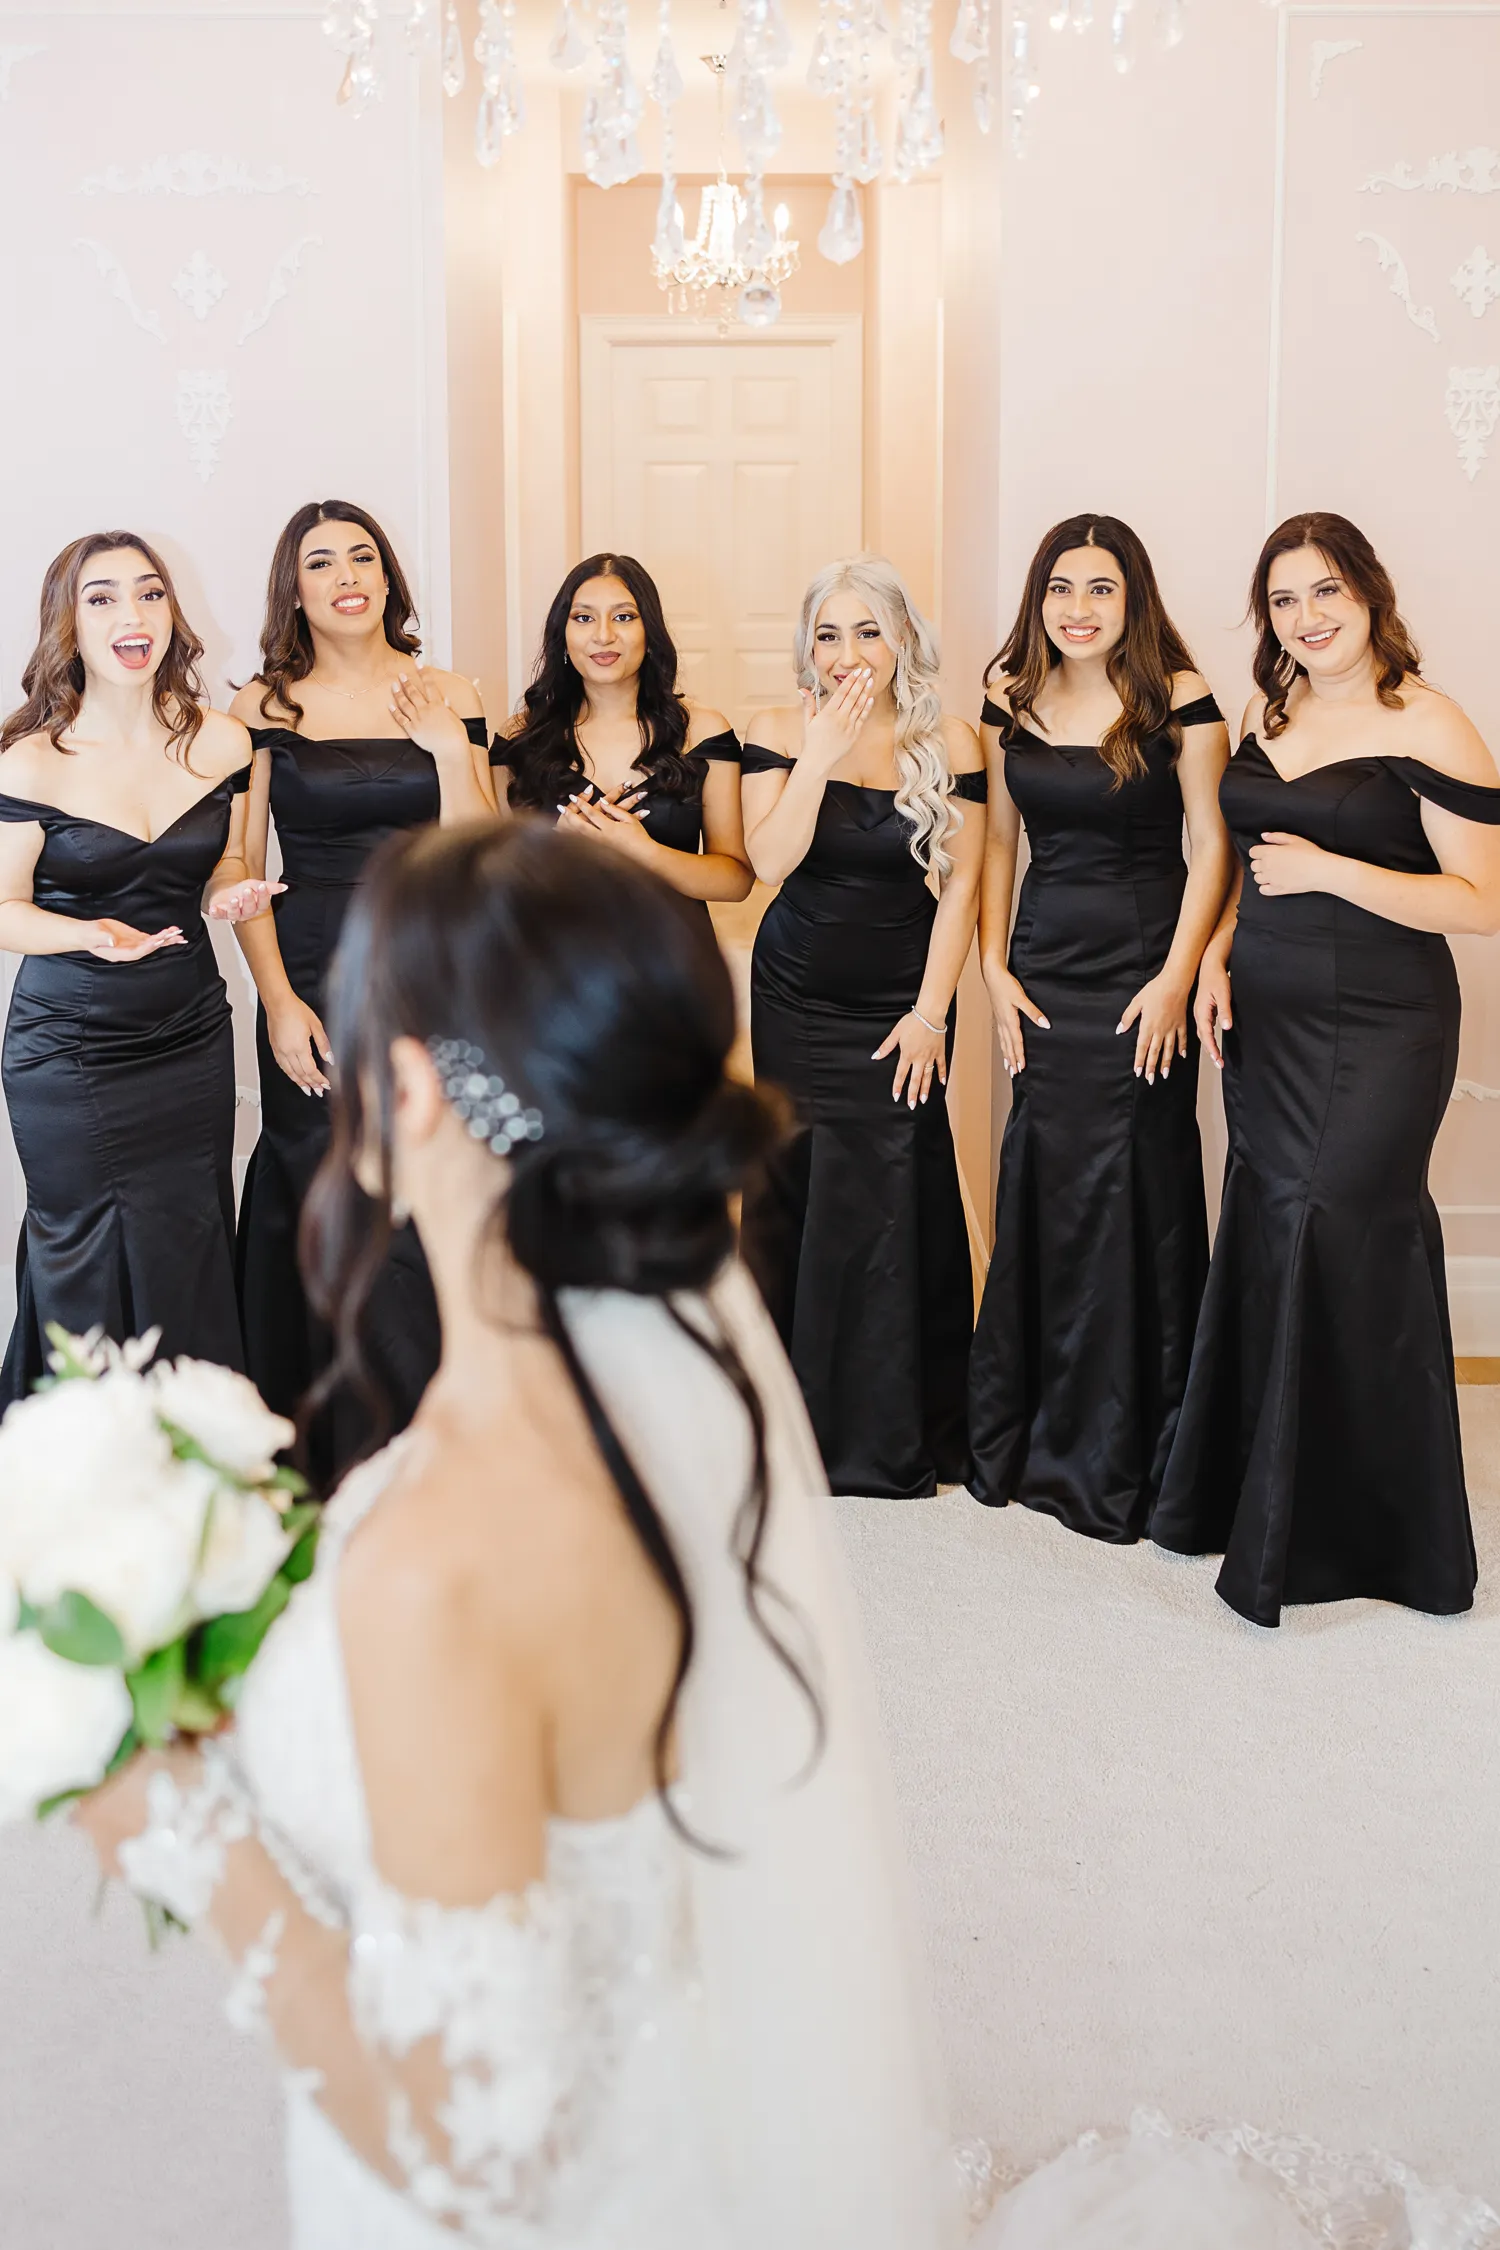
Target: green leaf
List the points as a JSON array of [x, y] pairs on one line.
[[73, 1627], [154, 1689], [227, 1646], [73, 1368], [300, 1560], [286, 1479], [197, 1709], [130, 1742]]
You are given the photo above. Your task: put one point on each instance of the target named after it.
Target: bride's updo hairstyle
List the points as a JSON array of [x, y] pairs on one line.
[[610, 1013]]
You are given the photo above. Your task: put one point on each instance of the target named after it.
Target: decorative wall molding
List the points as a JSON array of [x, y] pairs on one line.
[[11, 59], [1325, 51], [117, 281], [1476, 283], [205, 409], [1472, 405], [1470, 171], [283, 274], [1469, 1090], [1392, 263], [194, 173], [199, 284]]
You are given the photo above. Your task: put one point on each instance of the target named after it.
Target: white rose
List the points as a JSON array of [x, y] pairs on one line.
[[134, 1558], [60, 1724], [246, 1547], [73, 1442], [222, 1412]]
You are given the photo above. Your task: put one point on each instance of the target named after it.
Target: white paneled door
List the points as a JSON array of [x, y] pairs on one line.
[[731, 469]]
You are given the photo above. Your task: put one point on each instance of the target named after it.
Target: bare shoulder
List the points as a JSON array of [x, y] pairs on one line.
[[1255, 711], [245, 704], [704, 722], [1446, 737], [222, 744], [457, 690], [779, 730], [962, 745], [26, 763], [1189, 687]]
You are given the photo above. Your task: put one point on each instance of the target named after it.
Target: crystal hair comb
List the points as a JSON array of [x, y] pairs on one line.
[[481, 1098]]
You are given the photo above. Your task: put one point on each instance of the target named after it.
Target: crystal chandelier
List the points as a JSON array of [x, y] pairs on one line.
[[842, 69], [730, 259]]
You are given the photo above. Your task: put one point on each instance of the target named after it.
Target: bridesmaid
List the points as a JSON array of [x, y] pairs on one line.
[[605, 739], [857, 1235], [1100, 735], [123, 807], [353, 742], [1318, 1447]]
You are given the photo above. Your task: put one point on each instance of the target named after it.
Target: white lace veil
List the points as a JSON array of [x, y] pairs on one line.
[[819, 2064]]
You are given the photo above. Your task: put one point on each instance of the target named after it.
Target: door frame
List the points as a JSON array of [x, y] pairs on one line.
[[598, 335]]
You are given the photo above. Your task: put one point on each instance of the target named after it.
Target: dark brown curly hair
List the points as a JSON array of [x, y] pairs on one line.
[[1142, 666], [53, 680], [1350, 556], [286, 649]]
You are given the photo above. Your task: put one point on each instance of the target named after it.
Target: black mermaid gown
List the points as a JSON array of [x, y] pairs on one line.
[[676, 822], [856, 1234], [1101, 1232], [119, 1080], [1318, 1446], [333, 803]]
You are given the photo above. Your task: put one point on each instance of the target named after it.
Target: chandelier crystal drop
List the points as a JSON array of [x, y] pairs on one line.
[[666, 89], [502, 101], [611, 153], [567, 49], [351, 25], [452, 50]]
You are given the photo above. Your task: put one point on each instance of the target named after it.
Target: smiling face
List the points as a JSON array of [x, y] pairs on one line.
[[1083, 608], [605, 634], [123, 617], [341, 582], [1316, 617], [848, 637]]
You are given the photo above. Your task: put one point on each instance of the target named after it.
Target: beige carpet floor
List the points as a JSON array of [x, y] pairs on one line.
[[1162, 1857]]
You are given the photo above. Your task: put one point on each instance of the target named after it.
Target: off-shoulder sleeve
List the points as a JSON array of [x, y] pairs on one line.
[[22, 808], [991, 715], [1471, 800], [974, 788], [500, 747], [478, 732], [722, 748], [756, 758], [1203, 711], [239, 780]]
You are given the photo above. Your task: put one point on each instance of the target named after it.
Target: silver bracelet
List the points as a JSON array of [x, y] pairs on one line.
[[937, 1029]]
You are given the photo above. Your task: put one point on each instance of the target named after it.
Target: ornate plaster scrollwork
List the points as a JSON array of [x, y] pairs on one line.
[[283, 274], [1469, 1089], [1392, 263], [194, 173], [199, 284], [1472, 405], [1471, 171], [205, 409], [117, 281], [1476, 282], [10, 59], [1323, 52]]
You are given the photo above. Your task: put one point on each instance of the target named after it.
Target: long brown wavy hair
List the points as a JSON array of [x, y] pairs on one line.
[[286, 649], [1141, 665], [53, 680], [1350, 556]]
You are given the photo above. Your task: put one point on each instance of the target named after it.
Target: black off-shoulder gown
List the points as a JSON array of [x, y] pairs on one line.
[[1318, 1446], [333, 803], [119, 1080], [857, 1235], [1101, 1231]]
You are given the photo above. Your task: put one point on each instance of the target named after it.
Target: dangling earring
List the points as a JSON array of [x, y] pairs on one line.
[[400, 1210], [1286, 668]]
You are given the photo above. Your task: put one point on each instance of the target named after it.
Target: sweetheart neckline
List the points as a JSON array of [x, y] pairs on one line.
[[43, 804]]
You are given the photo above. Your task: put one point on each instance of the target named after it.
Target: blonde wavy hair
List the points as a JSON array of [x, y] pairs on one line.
[[923, 781]]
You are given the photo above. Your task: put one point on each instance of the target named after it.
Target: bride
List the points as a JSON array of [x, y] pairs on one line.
[[552, 1842]]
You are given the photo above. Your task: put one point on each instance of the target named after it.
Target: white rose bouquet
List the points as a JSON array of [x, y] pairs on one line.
[[147, 1542]]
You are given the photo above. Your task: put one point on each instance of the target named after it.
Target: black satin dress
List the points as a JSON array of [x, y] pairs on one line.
[[675, 822], [1318, 1445], [333, 803], [119, 1079], [856, 1234], [1101, 1232]]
